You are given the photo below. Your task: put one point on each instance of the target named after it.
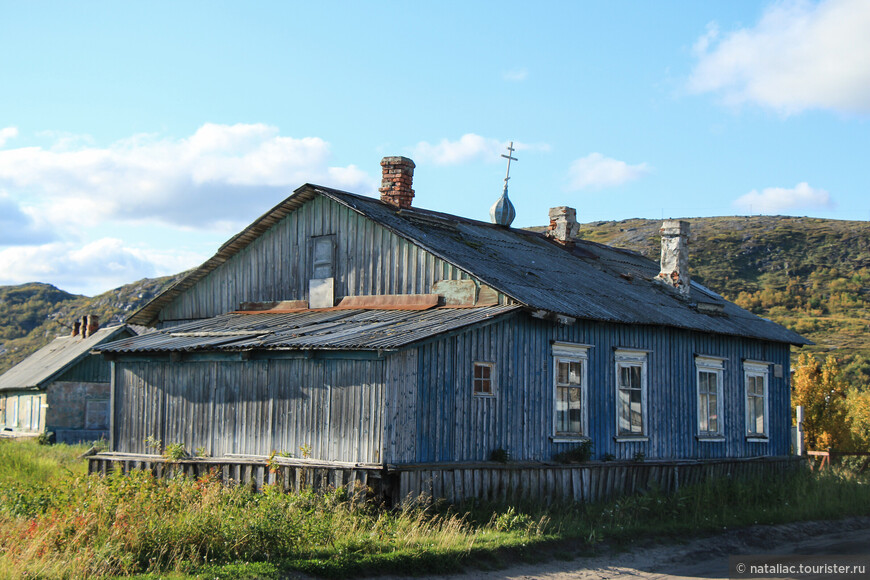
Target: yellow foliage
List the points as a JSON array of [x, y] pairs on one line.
[[858, 403], [820, 390]]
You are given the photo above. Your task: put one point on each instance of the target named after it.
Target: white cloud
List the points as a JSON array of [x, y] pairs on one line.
[[596, 171], [89, 269], [776, 199], [20, 225], [6, 134], [469, 147], [212, 178], [799, 56], [516, 75]]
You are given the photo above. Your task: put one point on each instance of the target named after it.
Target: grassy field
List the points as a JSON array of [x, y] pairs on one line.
[[57, 522]]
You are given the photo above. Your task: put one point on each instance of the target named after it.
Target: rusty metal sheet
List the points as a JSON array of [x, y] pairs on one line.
[[278, 306], [390, 302]]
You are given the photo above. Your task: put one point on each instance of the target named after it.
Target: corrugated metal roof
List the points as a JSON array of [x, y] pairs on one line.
[[54, 358], [332, 329], [588, 281]]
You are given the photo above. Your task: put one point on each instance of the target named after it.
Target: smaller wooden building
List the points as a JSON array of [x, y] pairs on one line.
[[63, 388]]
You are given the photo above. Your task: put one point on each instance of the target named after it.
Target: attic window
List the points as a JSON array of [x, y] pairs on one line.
[[484, 379]]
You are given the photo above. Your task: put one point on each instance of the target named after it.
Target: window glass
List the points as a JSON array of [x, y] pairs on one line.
[[630, 393], [483, 378], [756, 399], [570, 414]]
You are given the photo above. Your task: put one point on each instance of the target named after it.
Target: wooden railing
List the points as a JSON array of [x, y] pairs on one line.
[[826, 456]]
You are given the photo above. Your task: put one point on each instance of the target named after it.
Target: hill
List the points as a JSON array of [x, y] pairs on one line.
[[31, 315], [811, 275]]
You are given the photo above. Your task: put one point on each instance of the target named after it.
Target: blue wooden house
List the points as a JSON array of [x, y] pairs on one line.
[[369, 332]]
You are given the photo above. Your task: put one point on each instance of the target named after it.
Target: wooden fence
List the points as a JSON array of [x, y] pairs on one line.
[[824, 458], [588, 482], [288, 473], [536, 482]]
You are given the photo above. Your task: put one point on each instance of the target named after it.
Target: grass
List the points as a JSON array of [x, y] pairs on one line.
[[27, 461], [75, 525]]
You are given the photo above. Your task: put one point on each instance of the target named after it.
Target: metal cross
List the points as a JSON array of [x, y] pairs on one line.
[[507, 175]]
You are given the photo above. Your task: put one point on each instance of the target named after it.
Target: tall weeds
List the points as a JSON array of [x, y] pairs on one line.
[[91, 526]]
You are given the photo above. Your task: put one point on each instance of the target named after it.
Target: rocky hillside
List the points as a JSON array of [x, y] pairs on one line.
[[31, 315]]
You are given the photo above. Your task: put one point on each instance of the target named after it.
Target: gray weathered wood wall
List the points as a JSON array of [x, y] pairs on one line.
[[333, 405], [369, 259]]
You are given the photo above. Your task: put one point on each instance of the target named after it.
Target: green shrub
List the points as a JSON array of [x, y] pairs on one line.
[[500, 455], [579, 454]]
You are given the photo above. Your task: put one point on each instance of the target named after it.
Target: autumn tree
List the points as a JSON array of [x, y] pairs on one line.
[[819, 388], [858, 403]]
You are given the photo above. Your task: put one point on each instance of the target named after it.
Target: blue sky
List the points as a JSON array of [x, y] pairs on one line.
[[135, 138]]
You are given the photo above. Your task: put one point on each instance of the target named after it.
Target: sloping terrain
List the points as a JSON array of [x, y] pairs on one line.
[[31, 315]]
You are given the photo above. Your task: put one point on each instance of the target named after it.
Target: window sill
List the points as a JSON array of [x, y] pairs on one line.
[[631, 439], [484, 395], [757, 439], [710, 438], [568, 438]]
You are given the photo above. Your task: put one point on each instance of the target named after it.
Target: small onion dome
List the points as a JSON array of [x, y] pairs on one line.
[[502, 211]]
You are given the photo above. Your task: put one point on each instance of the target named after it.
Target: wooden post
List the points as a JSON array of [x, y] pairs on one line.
[[799, 440]]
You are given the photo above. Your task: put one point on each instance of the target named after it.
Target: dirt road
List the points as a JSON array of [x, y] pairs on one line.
[[699, 558]]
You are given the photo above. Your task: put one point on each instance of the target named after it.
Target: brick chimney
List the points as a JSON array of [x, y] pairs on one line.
[[563, 225], [675, 256], [89, 325], [398, 177], [77, 326]]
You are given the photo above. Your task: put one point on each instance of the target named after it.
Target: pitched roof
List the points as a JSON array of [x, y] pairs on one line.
[[55, 358], [322, 329], [588, 281]]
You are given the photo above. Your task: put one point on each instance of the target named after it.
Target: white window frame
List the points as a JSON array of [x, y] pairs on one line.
[[12, 412], [568, 352], [757, 369], [716, 366], [625, 357], [492, 377]]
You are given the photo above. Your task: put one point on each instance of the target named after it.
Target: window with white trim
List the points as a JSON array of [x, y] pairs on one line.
[[710, 400], [570, 390], [755, 379], [484, 379], [631, 387]]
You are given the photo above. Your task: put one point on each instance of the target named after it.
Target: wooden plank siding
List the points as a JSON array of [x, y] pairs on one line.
[[333, 406], [455, 425], [589, 482], [369, 259]]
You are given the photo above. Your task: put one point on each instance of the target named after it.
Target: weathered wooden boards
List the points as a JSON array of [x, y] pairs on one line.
[[586, 482], [531, 482]]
